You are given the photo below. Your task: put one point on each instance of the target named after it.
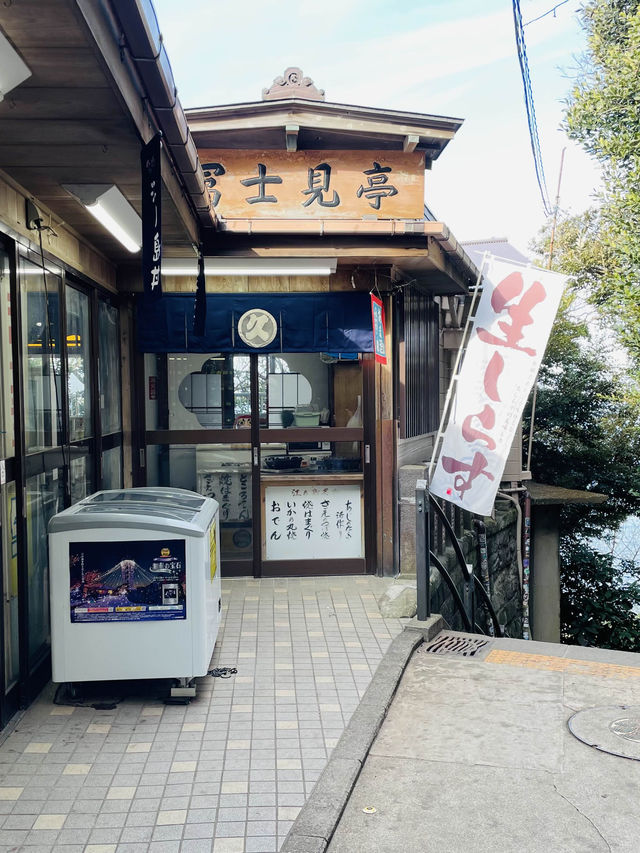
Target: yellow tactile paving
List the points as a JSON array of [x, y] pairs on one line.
[[577, 667]]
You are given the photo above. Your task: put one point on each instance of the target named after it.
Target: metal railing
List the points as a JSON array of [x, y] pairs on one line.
[[434, 526]]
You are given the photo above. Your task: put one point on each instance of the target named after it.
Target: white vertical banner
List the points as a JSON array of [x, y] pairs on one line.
[[506, 344]]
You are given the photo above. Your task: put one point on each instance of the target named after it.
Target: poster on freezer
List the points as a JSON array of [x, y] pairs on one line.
[[127, 581]]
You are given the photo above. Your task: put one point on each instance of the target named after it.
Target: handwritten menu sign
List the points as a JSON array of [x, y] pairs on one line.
[[313, 521], [232, 490]]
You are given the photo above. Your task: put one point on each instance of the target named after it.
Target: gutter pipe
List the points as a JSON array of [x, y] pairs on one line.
[[141, 42]]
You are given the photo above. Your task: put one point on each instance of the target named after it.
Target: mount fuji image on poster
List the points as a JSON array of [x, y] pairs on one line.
[[127, 581]]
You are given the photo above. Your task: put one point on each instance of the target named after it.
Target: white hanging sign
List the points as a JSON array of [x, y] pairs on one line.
[[313, 521], [512, 325]]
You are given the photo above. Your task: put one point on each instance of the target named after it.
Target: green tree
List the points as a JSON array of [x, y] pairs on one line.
[[603, 114], [587, 428], [587, 436], [587, 433], [600, 599]]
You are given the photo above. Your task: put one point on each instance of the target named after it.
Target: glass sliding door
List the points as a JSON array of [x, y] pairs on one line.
[[79, 394], [44, 498], [110, 395], [43, 493], [9, 696], [60, 415], [278, 440], [41, 357], [198, 410]]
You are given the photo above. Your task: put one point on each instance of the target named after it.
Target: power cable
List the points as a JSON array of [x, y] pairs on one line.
[[222, 672], [544, 14], [530, 107]]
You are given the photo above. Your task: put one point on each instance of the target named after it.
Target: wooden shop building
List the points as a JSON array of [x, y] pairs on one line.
[[310, 216]]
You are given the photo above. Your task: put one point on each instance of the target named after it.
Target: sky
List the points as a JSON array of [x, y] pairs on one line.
[[442, 57]]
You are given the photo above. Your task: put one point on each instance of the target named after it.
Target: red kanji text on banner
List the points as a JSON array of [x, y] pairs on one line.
[[512, 325]]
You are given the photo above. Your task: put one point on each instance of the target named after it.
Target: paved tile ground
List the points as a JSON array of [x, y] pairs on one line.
[[229, 772]]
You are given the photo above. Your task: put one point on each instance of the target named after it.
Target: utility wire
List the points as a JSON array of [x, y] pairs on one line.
[[530, 107], [544, 14]]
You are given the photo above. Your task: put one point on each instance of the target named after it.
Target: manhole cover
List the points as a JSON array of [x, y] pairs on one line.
[[612, 728], [464, 645]]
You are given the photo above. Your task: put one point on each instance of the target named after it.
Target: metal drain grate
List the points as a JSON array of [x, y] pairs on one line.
[[456, 644]]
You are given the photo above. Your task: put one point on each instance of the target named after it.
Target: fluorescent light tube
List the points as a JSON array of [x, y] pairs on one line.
[[106, 203], [104, 218], [13, 70], [250, 266]]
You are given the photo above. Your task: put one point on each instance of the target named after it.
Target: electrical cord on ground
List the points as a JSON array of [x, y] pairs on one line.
[[222, 672]]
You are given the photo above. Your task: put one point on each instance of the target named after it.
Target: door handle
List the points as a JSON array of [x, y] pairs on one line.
[[367, 454], [256, 457]]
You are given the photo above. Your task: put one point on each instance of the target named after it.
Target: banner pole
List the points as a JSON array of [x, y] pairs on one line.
[[423, 551], [454, 374]]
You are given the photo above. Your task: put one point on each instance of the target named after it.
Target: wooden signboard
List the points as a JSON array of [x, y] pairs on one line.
[[314, 184]]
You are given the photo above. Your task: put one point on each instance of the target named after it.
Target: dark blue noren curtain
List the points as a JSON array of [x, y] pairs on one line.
[[307, 322]]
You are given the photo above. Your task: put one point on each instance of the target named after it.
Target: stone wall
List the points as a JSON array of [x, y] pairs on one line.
[[502, 552], [503, 575]]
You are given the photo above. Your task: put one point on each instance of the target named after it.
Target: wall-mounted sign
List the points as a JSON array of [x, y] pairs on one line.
[[257, 327], [314, 184], [377, 318], [306, 521], [232, 490], [151, 218], [510, 333]]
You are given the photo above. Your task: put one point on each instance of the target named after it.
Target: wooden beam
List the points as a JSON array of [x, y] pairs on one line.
[[322, 226], [291, 131], [410, 142], [319, 122]]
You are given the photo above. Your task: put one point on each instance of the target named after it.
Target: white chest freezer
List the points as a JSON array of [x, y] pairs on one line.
[[135, 586]]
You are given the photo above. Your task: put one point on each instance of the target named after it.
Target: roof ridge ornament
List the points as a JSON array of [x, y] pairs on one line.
[[293, 84]]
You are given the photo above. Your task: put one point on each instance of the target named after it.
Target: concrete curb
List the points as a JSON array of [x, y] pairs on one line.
[[313, 828]]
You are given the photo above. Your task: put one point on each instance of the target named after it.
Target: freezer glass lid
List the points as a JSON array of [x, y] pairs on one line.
[[149, 497], [148, 510]]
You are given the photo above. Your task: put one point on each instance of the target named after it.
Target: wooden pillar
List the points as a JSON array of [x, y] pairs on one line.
[[545, 575]]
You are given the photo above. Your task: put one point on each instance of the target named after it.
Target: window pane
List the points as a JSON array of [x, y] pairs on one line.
[[80, 474], [109, 369], [45, 497], [313, 389], [78, 356], [7, 440], [224, 473], [204, 391], [112, 468], [41, 357]]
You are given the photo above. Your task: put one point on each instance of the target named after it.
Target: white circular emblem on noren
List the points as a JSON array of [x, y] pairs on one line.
[[257, 327]]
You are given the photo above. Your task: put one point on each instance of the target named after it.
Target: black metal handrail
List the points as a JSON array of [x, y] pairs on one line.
[[425, 556], [454, 592]]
